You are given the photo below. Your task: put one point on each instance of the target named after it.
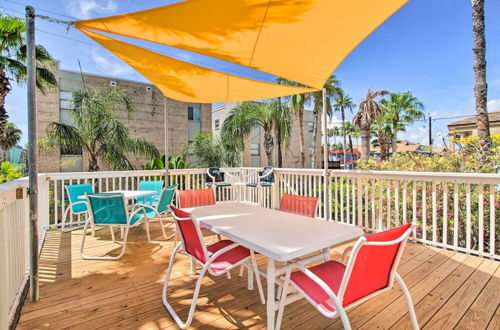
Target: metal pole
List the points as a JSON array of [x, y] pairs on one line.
[[325, 157], [430, 131], [165, 124], [32, 150]]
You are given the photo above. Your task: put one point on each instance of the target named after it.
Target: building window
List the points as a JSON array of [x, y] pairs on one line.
[[311, 127], [217, 124], [65, 100], [194, 113], [255, 149]]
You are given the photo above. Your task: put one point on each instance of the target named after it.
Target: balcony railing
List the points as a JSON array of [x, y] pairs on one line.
[[453, 210]]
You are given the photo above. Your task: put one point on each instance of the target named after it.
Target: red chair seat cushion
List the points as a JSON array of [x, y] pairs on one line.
[[227, 259], [331, 272]]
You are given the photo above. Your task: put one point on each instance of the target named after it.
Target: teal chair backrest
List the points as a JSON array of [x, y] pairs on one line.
[[76, 190], [107, 208], [149, 185], [166, 197]]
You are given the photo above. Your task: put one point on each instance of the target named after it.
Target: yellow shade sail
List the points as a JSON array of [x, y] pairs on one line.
[[188, 82], [300, 40]]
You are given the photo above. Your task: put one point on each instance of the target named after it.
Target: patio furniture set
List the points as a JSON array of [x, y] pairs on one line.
[[296, 245]]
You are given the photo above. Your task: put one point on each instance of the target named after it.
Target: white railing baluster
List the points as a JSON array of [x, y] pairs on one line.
[[424, 211], [492, 220], [455, 214], [434, 212], [468, 224], [445, 213], [480, 197]]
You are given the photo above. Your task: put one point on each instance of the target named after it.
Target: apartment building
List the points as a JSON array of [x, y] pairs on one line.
[[254, 154], [184, 119]]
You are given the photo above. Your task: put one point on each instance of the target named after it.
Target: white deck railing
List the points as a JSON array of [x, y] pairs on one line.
[[453, 210], [14, 247]]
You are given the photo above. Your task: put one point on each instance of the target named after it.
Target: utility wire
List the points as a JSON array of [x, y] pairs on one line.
[[41, 9]]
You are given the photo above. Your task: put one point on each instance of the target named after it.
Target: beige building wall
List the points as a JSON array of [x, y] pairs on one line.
[[147, 121]]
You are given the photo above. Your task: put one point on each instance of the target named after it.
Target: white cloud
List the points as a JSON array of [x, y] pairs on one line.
[[494, 105], [84, 9], [110, 65]]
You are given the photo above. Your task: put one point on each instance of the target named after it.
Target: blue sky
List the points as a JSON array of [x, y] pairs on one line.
[[425, 48]]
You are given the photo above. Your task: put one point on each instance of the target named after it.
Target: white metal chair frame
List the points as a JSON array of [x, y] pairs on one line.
[[127, 226], [340, 310], [222, 171], [259, 186], [69, 209], [160, 215], [249, 261]]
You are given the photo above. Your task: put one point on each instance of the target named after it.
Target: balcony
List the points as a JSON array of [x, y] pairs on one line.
[[451, 265]]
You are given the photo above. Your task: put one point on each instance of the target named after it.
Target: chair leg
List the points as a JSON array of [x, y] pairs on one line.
[[250, 278], [64, 219], [122, 252], [182, 325], [228, 274], [242, 267], [163, 228], [409, 302], [193, 265], [284, 292], [146, 224], [112, 233], [257, 278], [92, 225]]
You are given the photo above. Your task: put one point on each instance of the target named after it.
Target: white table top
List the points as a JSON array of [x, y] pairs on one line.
[[278, 235], [130, 194]]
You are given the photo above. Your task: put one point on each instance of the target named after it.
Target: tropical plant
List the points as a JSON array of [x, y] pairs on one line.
[[331, 89], [297, 103], [174, 163], [343, 102], [13, 62], [211, 151], [97, 130], [382, 131], [401, 109], [351, 131], [334, 132], [9, 172], [369, 111], [272, 117], [480, 86], [11, 137]]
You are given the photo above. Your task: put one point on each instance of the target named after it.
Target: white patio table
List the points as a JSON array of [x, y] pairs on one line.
[[130, 194], [280, 236]]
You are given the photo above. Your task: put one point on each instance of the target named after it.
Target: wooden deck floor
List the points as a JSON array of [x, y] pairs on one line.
[[450, 290]]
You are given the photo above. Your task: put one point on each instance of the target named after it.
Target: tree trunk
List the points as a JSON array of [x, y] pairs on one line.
[[280, 150], [315, 135], [394, 137], [4, 90], [268, 147], [352, 150], [301, 133], [384, 147], [343, 133], [93, 166], [480, 87], [365, 142]]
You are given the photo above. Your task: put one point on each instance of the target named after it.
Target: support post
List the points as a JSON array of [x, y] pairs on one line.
[[325, 159], [165, 124], [32, 151]]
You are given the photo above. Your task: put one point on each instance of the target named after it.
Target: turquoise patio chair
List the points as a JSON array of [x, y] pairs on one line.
[[150, 186], [77, 205], [161, 209], [110, 209]]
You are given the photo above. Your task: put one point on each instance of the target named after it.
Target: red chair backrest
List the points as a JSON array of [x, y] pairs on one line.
[[299, 204], [373, 265], [189, 232], [198, 197]]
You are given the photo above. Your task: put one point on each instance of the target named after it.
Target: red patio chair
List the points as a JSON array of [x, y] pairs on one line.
[[299, 204], [197, 197], [218, 258], [332, 287]]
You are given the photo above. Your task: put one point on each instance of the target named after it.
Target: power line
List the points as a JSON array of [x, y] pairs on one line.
[[41, 9]]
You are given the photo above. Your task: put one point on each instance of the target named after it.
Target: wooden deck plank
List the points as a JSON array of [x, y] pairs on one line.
[[126, 294], [450, 314], [483, 309]]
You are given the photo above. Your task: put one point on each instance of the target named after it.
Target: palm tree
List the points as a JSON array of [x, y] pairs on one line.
[[331, 87], [98, 131], [342, 103], [369, 111], [382, 131], [13, 62], [282, 125], [402, 108], [240, 121], [350, 131], [480, 87], [11, 137], [297, 103], [211, 151]]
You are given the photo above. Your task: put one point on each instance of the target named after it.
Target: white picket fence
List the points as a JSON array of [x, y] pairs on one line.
[[453, 210]]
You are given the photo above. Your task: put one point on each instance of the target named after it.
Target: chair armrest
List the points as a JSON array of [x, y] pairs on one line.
[[134, 213], [346, 253], [221, 251], [79, 202], [322, 285], [249, 174], [228, 174]]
